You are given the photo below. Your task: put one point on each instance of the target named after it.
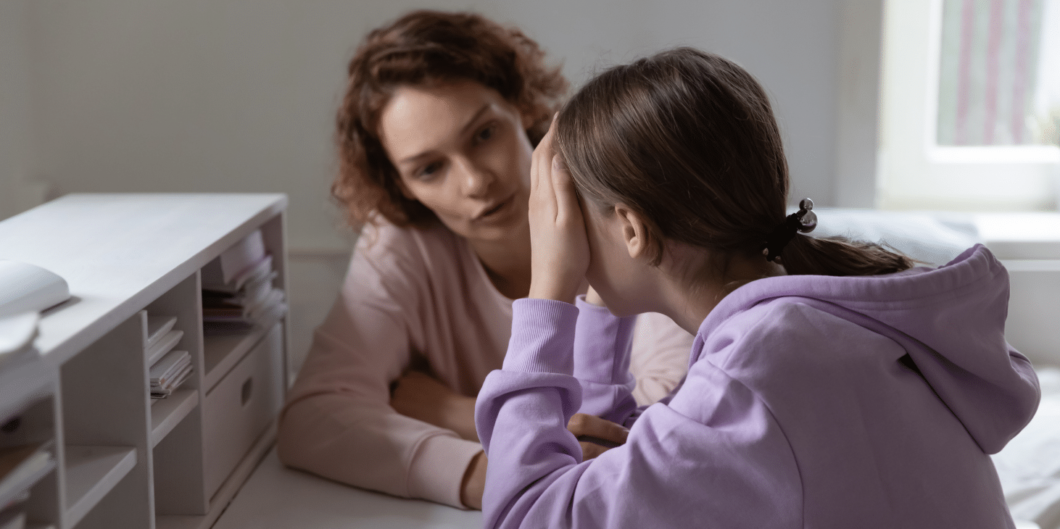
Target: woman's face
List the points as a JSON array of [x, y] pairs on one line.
[[461, 150]]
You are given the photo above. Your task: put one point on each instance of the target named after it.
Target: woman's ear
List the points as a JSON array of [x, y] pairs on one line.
[[400, 183], [634, 231], [526, 120]]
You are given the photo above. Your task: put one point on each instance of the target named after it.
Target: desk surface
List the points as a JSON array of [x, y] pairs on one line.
[[118, 252], [276, 497]]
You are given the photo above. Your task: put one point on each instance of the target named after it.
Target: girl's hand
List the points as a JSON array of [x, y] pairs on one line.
[[596, 435], [560, 249], [593, 298]]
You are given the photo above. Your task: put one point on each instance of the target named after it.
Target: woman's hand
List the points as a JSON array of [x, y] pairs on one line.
[[596, 435], [474, 483], [560, 249], [421, 396]]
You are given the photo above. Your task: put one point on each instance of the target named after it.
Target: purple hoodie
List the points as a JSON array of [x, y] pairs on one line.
[[810, 401]]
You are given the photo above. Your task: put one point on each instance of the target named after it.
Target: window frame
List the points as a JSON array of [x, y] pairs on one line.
[[913, 171]]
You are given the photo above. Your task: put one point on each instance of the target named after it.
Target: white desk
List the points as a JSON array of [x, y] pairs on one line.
[[123, 461], [276, 497]]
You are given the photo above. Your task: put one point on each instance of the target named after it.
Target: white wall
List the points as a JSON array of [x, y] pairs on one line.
[[239, 95], [15, 122]]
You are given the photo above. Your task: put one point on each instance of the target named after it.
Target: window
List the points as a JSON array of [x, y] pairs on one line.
[[970, 105]]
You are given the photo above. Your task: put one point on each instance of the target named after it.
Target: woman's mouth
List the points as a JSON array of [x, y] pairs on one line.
[[494, 210]]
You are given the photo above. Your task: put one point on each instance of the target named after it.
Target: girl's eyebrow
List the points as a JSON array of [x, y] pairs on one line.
[[463, 129]]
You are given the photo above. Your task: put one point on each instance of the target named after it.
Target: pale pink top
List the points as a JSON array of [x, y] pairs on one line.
[[419, 293]]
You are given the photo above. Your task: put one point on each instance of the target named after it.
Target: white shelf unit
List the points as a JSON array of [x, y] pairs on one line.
[[121, 460]]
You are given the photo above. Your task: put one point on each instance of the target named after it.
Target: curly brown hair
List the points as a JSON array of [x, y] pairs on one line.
[[419, 49]]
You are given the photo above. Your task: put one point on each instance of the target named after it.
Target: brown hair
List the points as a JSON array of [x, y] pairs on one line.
[[420, 49], [688, 140]]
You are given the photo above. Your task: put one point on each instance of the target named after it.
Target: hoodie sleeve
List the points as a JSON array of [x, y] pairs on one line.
[[602, 345], [713, 457]]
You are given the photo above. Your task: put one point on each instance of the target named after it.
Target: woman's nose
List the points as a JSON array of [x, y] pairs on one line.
[[475, 180]]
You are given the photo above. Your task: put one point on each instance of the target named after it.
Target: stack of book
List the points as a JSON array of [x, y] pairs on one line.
[[237, 288], [20, 468], [169, 373], [168, 368]]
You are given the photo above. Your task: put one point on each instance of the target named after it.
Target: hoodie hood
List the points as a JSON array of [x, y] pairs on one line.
[[950, 320]]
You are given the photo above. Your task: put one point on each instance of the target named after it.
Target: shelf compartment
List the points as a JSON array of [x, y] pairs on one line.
[[91, 473], [27, 482], [166, 414], [223, 351]]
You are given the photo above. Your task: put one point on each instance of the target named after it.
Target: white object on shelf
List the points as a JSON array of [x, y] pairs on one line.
[[91, 472], [27, 287], [163, 346], [236, 264], [17, 331], [157, 327], [169, 371]]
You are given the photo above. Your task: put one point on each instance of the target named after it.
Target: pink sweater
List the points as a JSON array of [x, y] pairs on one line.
[[419, 292]]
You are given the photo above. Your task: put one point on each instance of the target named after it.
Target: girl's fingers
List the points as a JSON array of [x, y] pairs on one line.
[[588, 425], [563, 188], [591, 450], [542, 155], [541, 172]]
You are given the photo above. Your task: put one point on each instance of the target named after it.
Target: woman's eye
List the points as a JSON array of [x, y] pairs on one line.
[[485, 133]]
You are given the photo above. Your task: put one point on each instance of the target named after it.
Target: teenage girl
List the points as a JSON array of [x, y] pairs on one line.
[[831, 384]]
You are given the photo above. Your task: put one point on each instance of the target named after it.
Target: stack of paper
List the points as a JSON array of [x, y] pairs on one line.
[[238, 290], [20, 468], [169, 373], [161, 337]]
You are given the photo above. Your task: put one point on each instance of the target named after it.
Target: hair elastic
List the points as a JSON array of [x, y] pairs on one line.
[[804, 220]]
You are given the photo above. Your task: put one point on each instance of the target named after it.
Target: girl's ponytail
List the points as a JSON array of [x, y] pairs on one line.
[[833, 256], [838, 256]]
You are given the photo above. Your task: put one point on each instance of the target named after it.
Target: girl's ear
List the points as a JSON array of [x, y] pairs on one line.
[[634, 231]]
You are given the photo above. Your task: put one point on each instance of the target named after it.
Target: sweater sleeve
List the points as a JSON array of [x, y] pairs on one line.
[[338, 422], [601, 362], [713, 457]]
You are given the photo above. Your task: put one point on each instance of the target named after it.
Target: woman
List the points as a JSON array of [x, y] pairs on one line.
[[435, 134]]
